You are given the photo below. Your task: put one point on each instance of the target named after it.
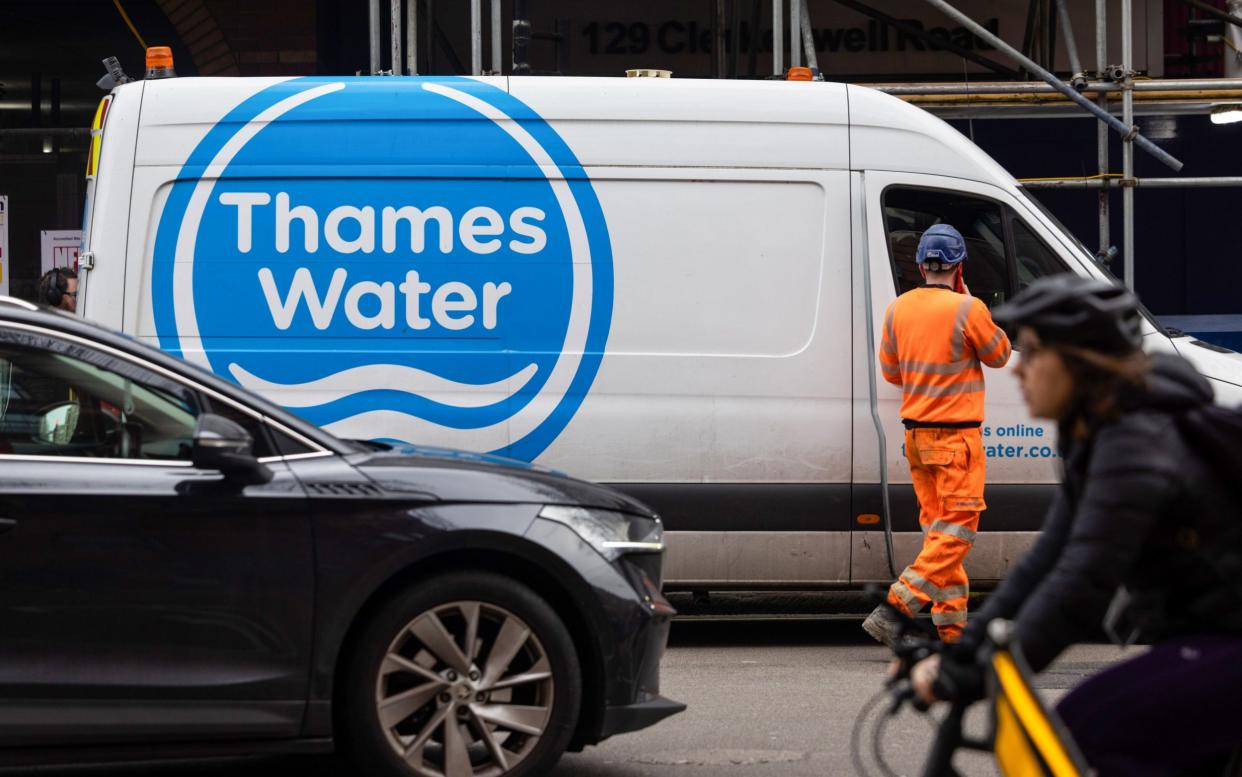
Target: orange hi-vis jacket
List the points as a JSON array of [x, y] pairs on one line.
[[934, 340]]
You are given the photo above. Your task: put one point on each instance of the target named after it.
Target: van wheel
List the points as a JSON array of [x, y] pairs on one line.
[[466, 675]]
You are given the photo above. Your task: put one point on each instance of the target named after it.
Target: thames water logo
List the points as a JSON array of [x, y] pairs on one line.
[[419, 260]]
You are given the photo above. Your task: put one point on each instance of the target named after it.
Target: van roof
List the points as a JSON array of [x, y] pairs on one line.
[[639, 122]]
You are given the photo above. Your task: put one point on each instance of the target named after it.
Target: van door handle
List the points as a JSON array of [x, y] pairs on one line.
[[7, 525]]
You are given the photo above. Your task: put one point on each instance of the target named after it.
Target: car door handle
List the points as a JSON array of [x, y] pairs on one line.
[[7, 525]]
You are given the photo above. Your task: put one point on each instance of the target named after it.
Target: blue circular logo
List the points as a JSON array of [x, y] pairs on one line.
[[418, 260]]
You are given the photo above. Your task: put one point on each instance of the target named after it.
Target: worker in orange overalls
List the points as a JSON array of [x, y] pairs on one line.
[[934, 339]]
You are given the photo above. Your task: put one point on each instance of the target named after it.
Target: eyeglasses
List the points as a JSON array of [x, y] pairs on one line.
[[73, 294], [1027, 349]]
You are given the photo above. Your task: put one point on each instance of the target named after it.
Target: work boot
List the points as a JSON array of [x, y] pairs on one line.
[[883, 626]]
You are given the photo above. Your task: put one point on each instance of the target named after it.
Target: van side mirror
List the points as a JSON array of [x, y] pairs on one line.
[[221, 444]]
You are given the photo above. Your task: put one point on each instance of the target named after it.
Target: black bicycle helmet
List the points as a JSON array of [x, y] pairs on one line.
[[1084, 312]]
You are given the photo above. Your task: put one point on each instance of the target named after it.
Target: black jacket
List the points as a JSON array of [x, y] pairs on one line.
[[1134, 499]]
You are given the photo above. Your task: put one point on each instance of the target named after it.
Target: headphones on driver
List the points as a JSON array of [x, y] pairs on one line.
[[57, 285]]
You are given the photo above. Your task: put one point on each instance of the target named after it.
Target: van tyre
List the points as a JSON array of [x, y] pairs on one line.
[[469, 674]]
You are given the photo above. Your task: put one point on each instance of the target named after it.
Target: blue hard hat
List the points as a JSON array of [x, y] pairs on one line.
[[942, 244]]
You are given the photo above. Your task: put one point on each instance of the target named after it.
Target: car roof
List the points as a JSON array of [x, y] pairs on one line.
[[19, 311]]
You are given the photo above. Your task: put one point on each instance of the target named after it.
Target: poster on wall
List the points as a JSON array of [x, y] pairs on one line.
[[4, 245], [60, 248]]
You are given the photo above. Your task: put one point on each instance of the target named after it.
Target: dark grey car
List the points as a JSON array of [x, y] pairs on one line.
[[185, 568]]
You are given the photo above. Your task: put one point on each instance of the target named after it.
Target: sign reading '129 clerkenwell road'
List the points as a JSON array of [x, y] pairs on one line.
[[442, 265]]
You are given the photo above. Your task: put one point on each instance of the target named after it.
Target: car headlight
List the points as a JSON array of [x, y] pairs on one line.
[[612, 534]]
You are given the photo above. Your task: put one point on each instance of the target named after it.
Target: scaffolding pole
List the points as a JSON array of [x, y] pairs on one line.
[[795, 33], [1029, 88], [1125, 130], [778, 38], [476, 38], [1233, 43], [497, 66], [394, 35], [411, 37], [373, 13], [1207, 182], [1078, 78], [1101, 132], [1127, 146], [808, 38]]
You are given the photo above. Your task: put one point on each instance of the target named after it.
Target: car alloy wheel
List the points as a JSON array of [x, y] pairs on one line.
[[465, 690]]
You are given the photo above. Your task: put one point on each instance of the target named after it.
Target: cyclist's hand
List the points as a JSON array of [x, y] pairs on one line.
[[923, 677]]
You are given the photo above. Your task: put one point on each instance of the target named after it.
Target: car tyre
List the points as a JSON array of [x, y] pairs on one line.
[[469, 674]]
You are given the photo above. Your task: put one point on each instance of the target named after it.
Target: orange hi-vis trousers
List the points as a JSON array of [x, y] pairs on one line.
[[948, 468]]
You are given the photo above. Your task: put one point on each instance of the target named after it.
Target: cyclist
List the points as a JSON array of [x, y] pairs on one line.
[[1127, 544]]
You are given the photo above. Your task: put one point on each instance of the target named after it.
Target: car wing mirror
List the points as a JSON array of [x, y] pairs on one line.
[[221, 444]]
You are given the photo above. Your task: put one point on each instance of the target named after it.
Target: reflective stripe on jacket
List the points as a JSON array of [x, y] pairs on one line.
[[934, 340]]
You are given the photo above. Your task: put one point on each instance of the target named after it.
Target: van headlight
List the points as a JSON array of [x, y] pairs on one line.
[[612, 534]]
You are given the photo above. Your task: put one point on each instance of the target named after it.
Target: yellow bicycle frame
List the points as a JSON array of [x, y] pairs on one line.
[[1028, 739]]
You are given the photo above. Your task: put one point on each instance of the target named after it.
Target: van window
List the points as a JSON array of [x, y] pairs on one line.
[[997, 268], [1032, 259], [908, 213]]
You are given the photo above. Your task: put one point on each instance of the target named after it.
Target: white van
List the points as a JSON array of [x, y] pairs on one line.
[[673, 286]]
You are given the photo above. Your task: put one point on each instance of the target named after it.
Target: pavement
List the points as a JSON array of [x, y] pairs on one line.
[[767, 696]]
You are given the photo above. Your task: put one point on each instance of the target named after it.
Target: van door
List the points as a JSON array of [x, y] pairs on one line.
[[1006, 249]]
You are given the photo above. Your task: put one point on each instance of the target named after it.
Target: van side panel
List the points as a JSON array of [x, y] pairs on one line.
[[650, 291]]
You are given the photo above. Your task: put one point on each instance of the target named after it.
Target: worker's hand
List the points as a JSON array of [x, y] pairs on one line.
[[923, 676], [965, 288]]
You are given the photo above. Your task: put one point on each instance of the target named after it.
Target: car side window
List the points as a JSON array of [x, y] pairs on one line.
[[69, 401]]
